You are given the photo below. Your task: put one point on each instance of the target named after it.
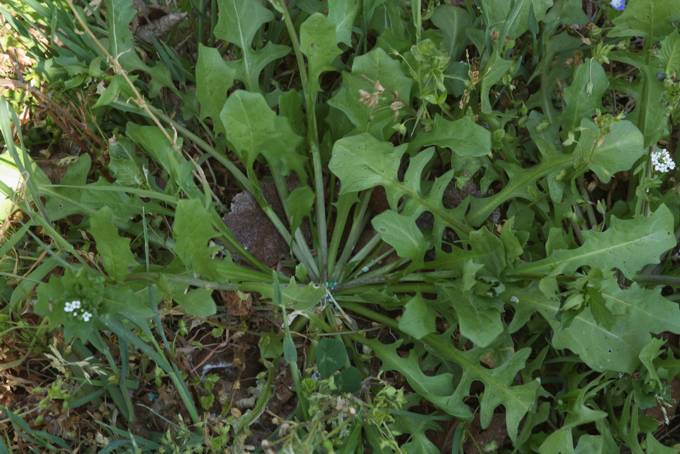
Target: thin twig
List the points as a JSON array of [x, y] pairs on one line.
[[119, 70]]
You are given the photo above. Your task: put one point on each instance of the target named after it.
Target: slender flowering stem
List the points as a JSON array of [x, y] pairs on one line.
[[313, 138]]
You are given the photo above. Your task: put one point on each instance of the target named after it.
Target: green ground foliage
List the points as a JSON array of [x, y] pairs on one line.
[[342, 226]]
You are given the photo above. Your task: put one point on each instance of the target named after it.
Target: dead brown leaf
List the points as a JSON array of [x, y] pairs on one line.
[[252, 228], [238, 304]]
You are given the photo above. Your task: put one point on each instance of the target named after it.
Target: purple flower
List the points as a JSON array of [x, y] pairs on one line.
[[618, 5]]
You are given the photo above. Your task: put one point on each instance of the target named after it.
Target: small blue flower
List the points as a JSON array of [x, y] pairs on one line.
[[618, 5]]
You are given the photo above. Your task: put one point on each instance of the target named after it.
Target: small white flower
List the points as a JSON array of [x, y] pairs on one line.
[[72, 306], [514, 299], [662, 161], [75, 308]]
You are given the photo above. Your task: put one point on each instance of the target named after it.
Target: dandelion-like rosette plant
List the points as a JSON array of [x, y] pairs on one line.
[[464, 201]]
